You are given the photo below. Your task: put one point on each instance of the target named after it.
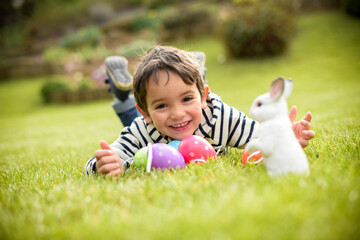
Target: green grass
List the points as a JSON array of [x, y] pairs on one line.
[[44, 194]]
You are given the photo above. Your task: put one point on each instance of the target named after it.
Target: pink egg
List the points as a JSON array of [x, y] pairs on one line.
[[164, 156], [194, 148]]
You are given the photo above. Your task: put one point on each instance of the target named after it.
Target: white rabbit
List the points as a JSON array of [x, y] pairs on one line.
[[276, 140]]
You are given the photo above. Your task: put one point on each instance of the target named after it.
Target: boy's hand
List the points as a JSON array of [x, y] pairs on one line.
[[302, 128], [107, 161]]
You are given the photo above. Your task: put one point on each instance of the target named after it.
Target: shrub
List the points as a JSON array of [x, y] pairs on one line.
[[86, 54], [88, 36], [289, 6], [54, 17], [319, 4], [257, 30], [54, 85], [89, 54], [12, 35], [143, 22], [158, 3], [352, 7], [135, 48], [55, 54], [186, 22], [85, 84]]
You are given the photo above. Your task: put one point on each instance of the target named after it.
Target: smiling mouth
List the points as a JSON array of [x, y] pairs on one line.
[[180, 125]]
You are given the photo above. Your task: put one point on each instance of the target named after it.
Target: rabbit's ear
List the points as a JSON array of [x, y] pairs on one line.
[[288, 88], [277, 88]]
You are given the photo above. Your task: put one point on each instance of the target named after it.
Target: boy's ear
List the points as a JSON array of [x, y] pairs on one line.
[[144, 114], [203, 99]]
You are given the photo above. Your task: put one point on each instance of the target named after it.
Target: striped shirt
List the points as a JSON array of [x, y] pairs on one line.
[[221, 125]]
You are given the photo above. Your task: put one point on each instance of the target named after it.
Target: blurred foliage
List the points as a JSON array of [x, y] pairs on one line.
[[85, 84], [12, 35], [88, 36], [73, 13], [150, 20], [89, 54], [158, 3], [82, 45], [186, 22], [59, 54], [135, 48], [55, 54], [54, 85], [257, 29], [319, 4], [352, 7], [62, 84], [289, 6], [15, 11]]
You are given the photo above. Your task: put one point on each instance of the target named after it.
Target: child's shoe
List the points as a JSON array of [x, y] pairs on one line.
[[200, 57], [120, 80]]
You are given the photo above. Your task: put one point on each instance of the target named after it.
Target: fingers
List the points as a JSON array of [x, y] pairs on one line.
[[115, 173], [292, 113], [102, 153], [308, 134], [108, 164], [108, 168], [305, 124], [104, 145], [307, 117], [107, 161], [304, 143]]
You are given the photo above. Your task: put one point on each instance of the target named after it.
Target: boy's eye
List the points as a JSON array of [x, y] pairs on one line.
[[160, 106], [186, 99]]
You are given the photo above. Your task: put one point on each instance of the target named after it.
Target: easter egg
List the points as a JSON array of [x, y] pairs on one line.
[[251, 158], [140, 158], [164, 156], [198, 160], [175, 144], [195, 148]]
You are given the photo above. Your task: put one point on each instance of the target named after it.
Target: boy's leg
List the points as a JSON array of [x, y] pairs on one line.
[[120, 86], [126, 110]]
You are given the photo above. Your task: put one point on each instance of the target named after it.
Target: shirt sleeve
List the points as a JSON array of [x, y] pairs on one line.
[[131, 139], [224, 126], [240, 128], [90, 168]]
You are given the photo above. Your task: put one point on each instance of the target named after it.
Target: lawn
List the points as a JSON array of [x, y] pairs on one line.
[[45, 195]]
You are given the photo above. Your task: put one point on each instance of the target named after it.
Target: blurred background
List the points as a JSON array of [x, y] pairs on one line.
[[71, 38]]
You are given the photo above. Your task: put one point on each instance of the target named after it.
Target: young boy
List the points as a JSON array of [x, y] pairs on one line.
[[174, 102]]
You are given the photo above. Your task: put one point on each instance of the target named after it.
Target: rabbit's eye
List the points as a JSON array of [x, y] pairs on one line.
[[259, 104]]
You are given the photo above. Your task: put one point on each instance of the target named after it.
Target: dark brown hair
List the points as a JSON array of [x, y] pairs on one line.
[[168, 59]]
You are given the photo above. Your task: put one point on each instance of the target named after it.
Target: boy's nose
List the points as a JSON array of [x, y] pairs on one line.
[[177, 112]]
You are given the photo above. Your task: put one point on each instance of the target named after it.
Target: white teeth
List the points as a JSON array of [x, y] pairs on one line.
[[180, 125]]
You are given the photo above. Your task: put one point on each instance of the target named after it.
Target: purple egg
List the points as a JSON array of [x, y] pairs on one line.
[[164, 156]]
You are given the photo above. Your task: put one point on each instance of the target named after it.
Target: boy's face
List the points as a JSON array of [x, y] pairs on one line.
[[174, 107]]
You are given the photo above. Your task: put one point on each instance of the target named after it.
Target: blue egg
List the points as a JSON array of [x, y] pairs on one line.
[[175, 144]]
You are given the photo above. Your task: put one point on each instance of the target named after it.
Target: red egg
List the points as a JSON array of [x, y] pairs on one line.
[[194, 148], [252, 158]]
